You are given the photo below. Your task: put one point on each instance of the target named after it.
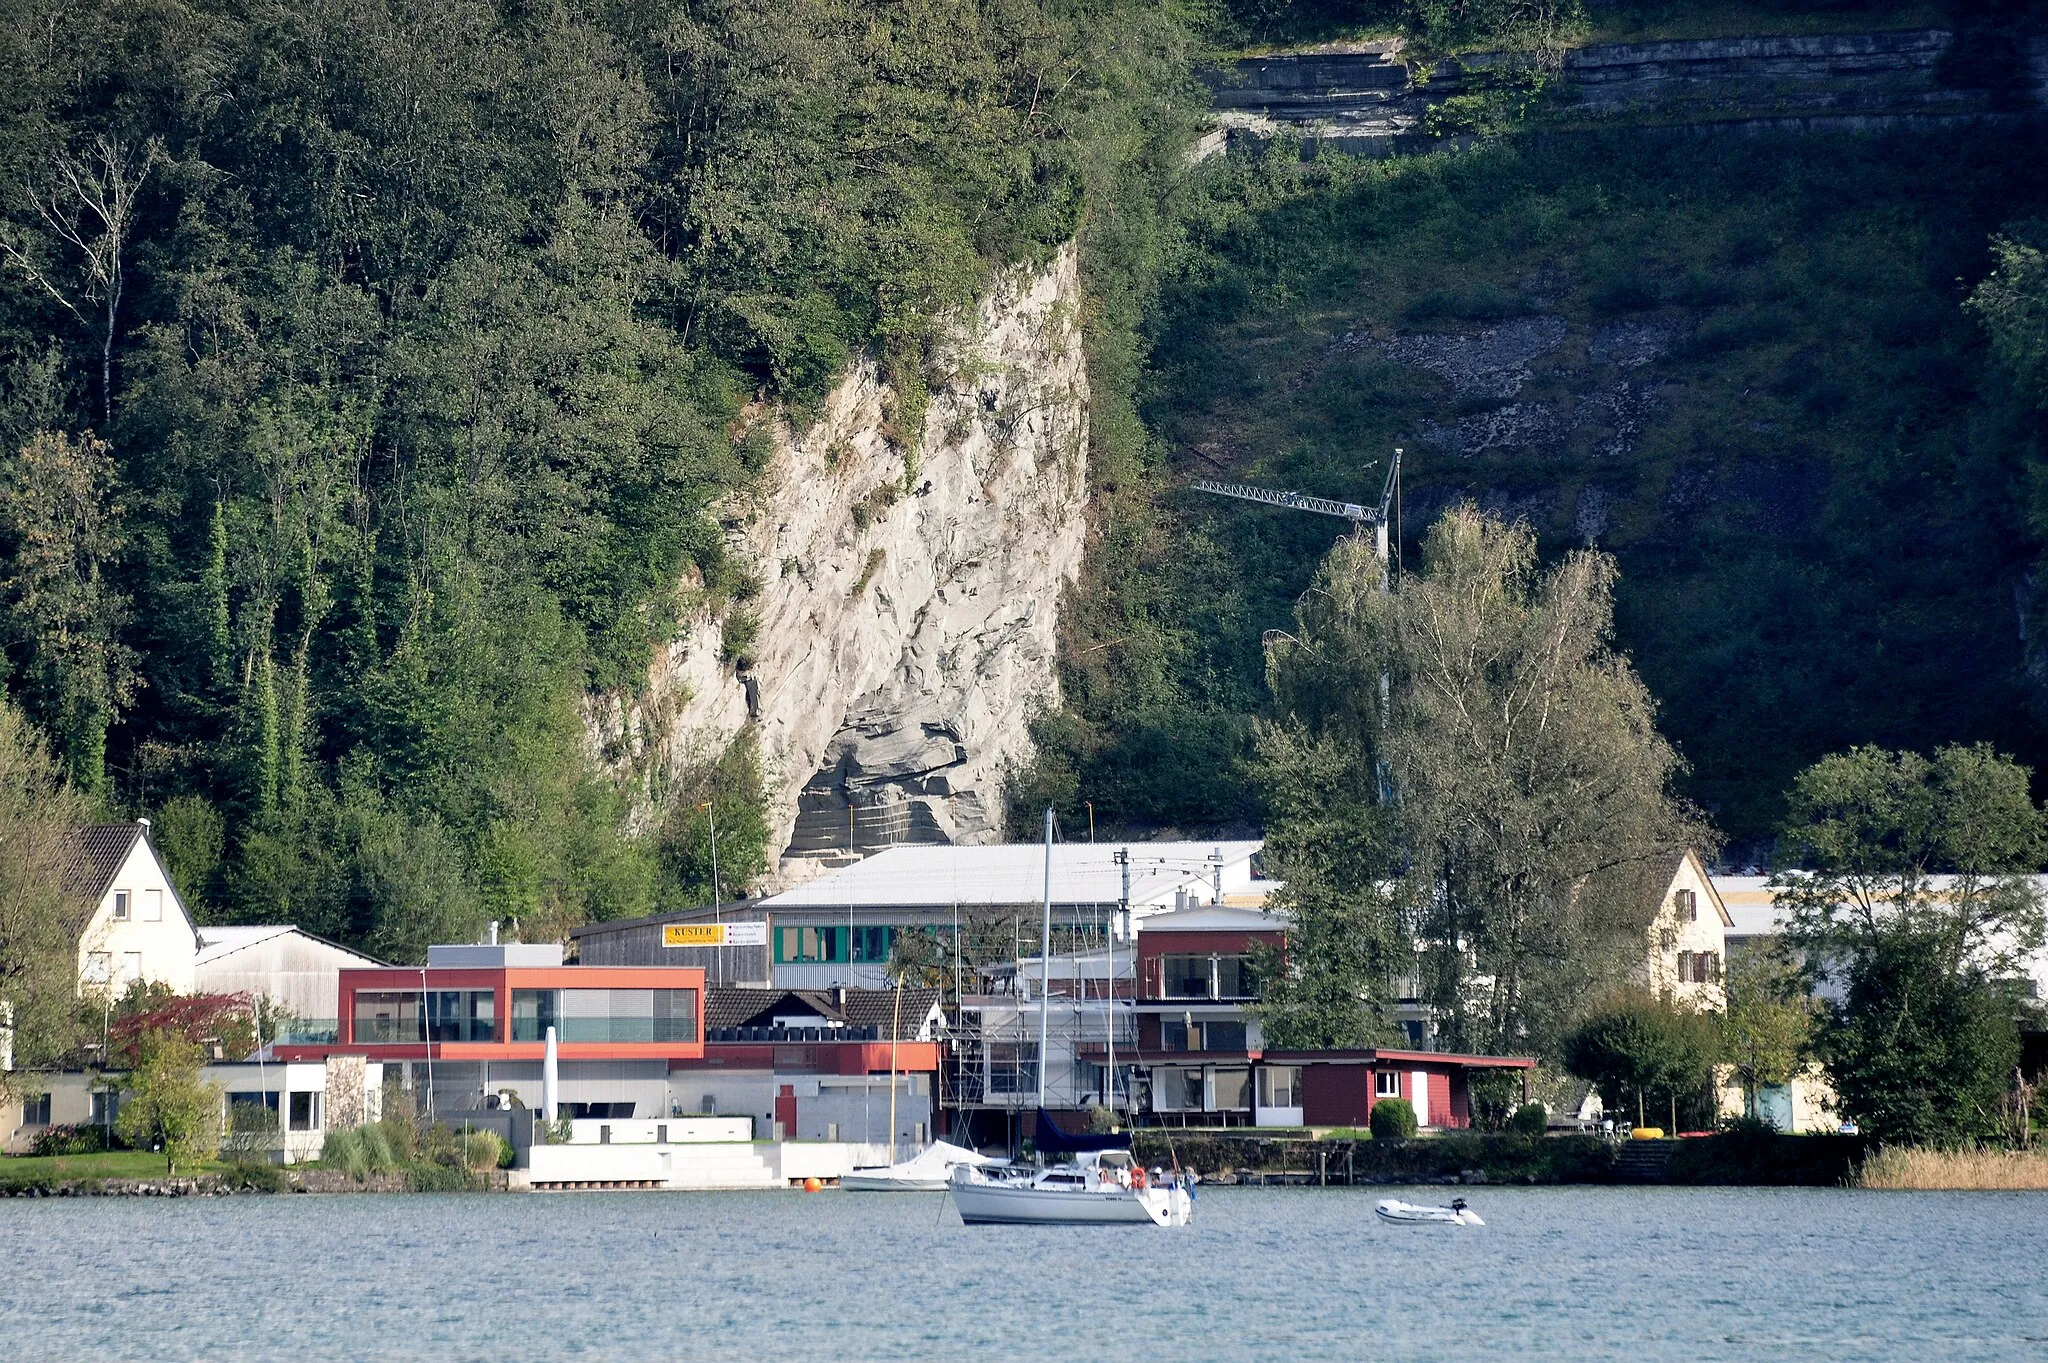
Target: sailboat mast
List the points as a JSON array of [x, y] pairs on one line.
[[1045, 960]]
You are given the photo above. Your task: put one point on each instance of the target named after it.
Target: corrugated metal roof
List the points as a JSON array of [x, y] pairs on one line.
[[1014, 873], [216, 942]]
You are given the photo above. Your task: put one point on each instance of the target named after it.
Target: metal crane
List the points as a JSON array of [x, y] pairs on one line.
[[1378, 517]]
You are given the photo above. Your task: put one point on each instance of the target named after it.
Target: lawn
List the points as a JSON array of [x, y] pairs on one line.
[[107, 1164]]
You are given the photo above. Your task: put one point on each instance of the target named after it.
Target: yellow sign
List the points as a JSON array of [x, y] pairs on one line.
[[714, 934]]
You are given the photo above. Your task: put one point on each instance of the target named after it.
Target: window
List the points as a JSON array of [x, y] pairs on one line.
[[533, 1012], [1234, 978], [385, 1018], [152, 906], [1185, 977], [804, 946], [35, 1110], [106, 1107], [628, 1015], [1177, 1090], [1173, 1036], [1279, 1086], [1233, 1090], [305, 1112], [1688, 905], [121, 899], [462, 1015], [131, 966], [1699, 967], [1386, 1083], [873, 944], [99, 967], [1223, 1036], [1667, 941], [1013, 1067]]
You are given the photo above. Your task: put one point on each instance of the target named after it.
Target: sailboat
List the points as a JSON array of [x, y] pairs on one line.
[[1099, 1183]]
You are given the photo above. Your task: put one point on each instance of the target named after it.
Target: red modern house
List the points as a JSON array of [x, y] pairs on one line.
[[1206, 1061], [472, 1026]]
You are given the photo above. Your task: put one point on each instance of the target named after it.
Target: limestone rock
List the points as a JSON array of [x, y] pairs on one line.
[[907, 617]]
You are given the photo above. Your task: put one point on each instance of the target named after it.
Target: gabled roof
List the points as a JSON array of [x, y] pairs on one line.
[[740, 1006], [1713, 891], [98, 851], [217, 942]]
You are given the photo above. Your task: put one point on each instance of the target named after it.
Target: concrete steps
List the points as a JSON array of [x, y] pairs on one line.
[[1644, 1161]]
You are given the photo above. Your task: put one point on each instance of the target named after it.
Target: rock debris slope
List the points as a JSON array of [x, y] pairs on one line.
[[908, 608]]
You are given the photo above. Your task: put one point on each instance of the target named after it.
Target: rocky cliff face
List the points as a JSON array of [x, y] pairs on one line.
[[907, 614], [1365, 98]]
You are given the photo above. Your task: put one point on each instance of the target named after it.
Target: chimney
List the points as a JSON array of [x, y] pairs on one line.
[[494, 932]]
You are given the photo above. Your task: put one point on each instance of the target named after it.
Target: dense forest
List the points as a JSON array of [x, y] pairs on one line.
[[369, 372]]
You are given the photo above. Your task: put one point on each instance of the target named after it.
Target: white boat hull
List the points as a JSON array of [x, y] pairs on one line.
[[982, 1203], [1400, 1213]]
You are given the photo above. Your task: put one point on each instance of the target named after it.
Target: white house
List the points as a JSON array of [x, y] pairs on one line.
[[133, 925], [1687, 952]]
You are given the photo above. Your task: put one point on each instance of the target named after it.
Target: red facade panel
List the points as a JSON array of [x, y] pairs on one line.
[[1336, 1095], [1440, 1113]]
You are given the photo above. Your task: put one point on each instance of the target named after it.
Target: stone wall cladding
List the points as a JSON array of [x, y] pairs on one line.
[[908, 614]]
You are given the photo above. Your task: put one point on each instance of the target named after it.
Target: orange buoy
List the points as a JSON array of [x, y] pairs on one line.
[[814, 1184]]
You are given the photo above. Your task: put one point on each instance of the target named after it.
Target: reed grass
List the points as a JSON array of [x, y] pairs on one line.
[[1896, 1167]]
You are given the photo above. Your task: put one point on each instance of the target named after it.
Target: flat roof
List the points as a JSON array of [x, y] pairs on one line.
[[1014, 873]]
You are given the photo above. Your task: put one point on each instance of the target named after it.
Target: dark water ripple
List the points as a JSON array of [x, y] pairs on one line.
[[1646, 1274]]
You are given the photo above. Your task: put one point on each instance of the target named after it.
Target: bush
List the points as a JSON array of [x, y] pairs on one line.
[[254, 1176], [1530, 1119], [485, 1150], [72, 1140], [1393, 1119]]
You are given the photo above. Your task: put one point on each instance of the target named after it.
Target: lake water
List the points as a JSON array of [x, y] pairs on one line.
[[1583, 1273]]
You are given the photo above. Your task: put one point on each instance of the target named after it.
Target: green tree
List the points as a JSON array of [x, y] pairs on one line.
[[1767, 1023], [1497, 752], [1640, 1047], [1910, 888], [169, 1104], [38, 916], [1917, 1054], [1332, 846], [2012, 303], [65, 528]]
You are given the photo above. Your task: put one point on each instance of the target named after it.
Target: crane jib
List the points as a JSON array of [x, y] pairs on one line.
[[1299, 501]]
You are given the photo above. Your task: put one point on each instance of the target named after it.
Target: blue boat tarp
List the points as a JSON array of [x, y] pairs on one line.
[[1051, 1140]]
